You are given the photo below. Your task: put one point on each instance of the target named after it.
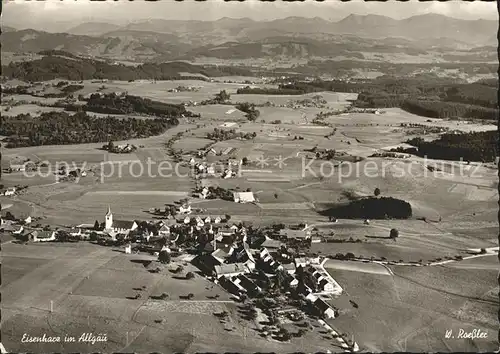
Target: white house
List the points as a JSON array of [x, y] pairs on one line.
[[42, 236], [208, 220], [118, 226], [27, 220], [217, 220], [301, 262], [163, 231], [128, 249], [185, 209], [324, 308], [230, 270], [243, 197], [10, 191], [17, 229]]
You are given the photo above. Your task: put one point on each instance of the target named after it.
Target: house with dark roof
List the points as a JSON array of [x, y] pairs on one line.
[[206, 263], [248, 285], [324, 309]]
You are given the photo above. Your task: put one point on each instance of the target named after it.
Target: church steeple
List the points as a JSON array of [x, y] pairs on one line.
[[108, 219]]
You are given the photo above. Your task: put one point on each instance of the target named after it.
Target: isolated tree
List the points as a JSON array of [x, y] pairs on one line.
[[244, 161], [376, 192], [394, 233], [189, 275], [164, 257], [222, 96], [96, 225], [275, 195]]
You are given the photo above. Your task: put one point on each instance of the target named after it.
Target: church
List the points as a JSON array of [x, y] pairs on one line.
[[118, 226]]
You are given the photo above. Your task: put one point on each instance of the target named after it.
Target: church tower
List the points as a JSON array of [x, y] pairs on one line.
[[108, 220]]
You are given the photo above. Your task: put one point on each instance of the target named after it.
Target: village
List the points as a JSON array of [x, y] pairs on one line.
[[269, 269]]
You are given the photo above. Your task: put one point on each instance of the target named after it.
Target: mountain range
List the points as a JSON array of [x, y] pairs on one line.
[[160, 40]]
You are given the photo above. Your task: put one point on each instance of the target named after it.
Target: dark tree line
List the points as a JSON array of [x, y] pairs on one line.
[[269, 91], [61, 128], [115, 104], [372, 208], [475, 146], [60, 64]]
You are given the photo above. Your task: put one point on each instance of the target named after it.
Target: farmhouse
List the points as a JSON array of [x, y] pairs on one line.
[[185, 209], [230, 270], [301, 262], [118, 226], [243, 197], [10, 191], [42, 236], [268, 243], [249, 286], [296, 234], [324, 309], [164, 231]]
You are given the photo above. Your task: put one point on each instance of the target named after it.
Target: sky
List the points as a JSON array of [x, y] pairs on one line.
[[59, 15]]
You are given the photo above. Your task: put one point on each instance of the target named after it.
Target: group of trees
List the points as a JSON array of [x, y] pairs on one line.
[[223, 134], [126, 104], [372, 208], [474, 146], [269, 91], [249, 108], [61, 128]]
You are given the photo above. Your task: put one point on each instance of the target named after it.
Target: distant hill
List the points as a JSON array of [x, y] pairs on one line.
[[475, 32], [141, 47], [293, 37], [7, 29], [93, 28], [62, 65]]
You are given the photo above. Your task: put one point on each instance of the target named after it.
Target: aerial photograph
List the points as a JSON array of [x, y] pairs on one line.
[[249, 177]]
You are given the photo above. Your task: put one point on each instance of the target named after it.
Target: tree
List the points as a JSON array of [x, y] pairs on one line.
[[96, 226], [227, 217], [111, 146], [189, 275], [164, 257], [244, 161], [376, 192], [222, 96], [394, 233], [93, 236]]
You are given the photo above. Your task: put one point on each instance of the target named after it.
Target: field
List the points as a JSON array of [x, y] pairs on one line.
[[77, 280], [411, 320], [454, 209]]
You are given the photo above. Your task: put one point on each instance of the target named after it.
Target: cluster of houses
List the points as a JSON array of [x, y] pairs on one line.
[[21, 229], [236, 260], [225, 171]]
